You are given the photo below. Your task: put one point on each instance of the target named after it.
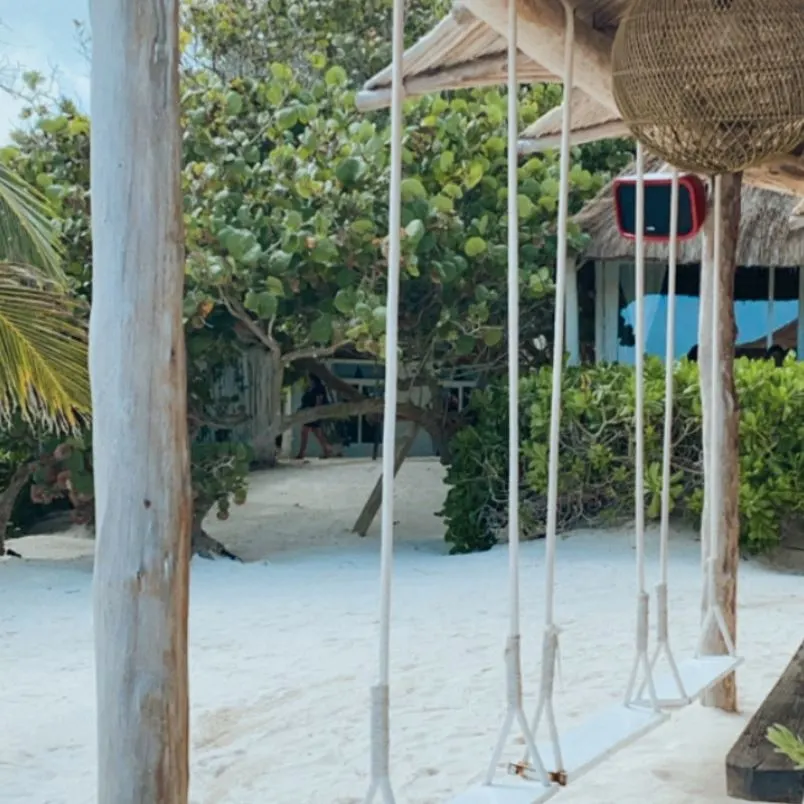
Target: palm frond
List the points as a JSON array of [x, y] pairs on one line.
[[27, 236], [43, 351]]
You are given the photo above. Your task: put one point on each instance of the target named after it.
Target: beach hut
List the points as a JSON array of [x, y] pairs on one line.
[[768, 283]]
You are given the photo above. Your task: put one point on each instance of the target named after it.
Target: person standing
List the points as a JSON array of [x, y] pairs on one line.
[[314, 396]]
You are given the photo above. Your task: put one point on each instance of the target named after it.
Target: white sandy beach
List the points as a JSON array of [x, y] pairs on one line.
[[284, 649]]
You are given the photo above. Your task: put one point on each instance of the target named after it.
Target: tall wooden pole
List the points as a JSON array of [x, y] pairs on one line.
[[724, 695], [138, 373]]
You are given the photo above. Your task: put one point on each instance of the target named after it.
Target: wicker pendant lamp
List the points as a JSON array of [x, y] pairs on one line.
[[712, 86]]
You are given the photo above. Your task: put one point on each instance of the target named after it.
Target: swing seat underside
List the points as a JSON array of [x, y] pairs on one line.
[[582, 748]]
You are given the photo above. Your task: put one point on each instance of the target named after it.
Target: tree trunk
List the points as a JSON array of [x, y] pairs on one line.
[[374, 501], [265, 403], [139, 396], [9, 496], [206, 546], [726, 425]]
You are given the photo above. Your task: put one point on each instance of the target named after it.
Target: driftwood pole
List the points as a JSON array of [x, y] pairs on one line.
[[724, 695], [374, 502], [138, 374]]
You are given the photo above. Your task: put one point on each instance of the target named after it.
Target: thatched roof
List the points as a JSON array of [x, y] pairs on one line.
[[590, 122], [460, 52], [769, 234], [468, 49]]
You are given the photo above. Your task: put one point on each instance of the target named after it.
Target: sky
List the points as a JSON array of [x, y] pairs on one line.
[[40, 35]]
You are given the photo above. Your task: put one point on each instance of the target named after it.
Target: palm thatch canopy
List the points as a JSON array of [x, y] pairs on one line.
[[769, 232], [468, 49], [460, 52], [590, 122]]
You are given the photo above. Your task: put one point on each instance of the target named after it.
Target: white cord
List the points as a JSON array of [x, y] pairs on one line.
[[669, 364], [662, 607], [380, 780], [550, 646], [641, 660], [513, 659], [639, 410], [513, 325]]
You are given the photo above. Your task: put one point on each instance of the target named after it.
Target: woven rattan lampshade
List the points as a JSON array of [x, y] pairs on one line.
[[712, 86]]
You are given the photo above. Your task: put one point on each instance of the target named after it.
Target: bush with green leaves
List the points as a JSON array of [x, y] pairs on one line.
[[597, 437]]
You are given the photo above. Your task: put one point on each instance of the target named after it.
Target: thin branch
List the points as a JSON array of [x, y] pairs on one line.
[[239, 312], [313, 353]]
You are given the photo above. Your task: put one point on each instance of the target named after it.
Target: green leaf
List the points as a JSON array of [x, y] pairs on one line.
[[274, 286], [414, 231], [465, 345], [349, 170], [344, 301], [78, 126], [412, 189], [446, 161], [525, 207], [335, 76], [474, 174], [492, 336], [234, 103], [252, 256], [279, 262], [263, 305], [53, 125], [318, 60], [287, 118], [321, 329], [442, 203], [363, 226], [325, 251], [293, 220], [475, 246]]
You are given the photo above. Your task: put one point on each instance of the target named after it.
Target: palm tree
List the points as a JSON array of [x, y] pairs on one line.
[[43, 335]]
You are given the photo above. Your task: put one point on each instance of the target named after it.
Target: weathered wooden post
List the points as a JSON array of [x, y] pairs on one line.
[[138, 373], [724, 694]]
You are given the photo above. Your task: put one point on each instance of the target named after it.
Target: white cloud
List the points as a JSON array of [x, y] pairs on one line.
[[40, 35]]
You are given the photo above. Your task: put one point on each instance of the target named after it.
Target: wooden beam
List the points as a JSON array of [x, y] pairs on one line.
[[726, 426], [138, 372], [541, 28], [374, 502], [755, 771]]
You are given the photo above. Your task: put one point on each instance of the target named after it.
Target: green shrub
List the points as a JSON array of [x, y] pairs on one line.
[[596, 476]]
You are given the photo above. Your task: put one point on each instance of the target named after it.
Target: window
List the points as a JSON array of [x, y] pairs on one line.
[[367, 378], [761, 321]]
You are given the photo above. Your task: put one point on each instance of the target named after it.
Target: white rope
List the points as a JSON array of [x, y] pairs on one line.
[[662, 608], [513, 659], [641, 661], [380, 778], [713, 476], [550, 646]]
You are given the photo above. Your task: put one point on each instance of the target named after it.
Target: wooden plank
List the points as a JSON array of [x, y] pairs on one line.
[[139, 388], [601, 736], [583, 748], [697, 675], [754, 770]]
